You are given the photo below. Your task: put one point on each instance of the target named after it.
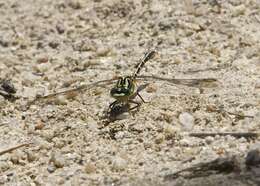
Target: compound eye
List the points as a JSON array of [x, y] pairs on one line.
[[119, 82], [128, 81]]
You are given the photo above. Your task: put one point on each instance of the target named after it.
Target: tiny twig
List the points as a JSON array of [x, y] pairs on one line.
[[239, 115], [13, 148], [222, 110], [234, 134]]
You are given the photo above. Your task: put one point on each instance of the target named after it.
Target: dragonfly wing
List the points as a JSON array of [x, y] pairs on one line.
[[142, 87], [203, 82], [79, 88]]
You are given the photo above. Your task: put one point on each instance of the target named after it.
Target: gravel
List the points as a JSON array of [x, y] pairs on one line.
[[48, 46]]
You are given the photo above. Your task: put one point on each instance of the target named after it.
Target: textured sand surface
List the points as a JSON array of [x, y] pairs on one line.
[[48, 45]]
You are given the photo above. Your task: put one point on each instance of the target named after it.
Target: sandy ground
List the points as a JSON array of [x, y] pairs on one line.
[[48, 45]]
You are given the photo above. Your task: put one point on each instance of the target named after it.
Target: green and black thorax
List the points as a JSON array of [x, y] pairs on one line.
[[125, 87]]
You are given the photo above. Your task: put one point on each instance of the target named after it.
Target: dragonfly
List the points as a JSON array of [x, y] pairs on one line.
[[126, 89]]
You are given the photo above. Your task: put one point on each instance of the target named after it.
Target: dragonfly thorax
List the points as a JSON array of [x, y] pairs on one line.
[[124, 88]]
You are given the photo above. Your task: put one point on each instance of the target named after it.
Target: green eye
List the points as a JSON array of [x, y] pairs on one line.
[[124, 88]]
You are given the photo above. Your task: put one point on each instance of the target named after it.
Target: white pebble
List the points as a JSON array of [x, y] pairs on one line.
[[186, 120], [119, 163], [60, 100], [209, 139], [58, 160]]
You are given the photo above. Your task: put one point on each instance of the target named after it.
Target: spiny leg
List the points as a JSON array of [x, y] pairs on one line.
[[142, 98], [136, 106], [111, 105]]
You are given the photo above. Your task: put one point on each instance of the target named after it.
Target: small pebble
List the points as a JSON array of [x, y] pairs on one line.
[[159, 138], [42, 60], [253, 158], [209, 139], [54, 44], [15, 158], [31, 156], [120, 135], [45, 145], [4, 42], [119, 164], [42, 67], [170, 131], [93, 126], [102, 52], [4, 166], [58, 160], [51, 168], [47, 134], [84, 45], [60, 28], [185, 143], [186, 120], [75, 4], [59, 143], [90, 168], [60, 100], [4, 179], [39, 125]]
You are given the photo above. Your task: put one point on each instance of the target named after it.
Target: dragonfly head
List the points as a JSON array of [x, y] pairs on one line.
[[124, 88]]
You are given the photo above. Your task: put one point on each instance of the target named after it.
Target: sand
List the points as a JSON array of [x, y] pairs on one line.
[[47, 46]]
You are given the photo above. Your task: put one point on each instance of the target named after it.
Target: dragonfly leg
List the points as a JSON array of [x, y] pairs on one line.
[[142, 98], [111, 105], [136, 106]]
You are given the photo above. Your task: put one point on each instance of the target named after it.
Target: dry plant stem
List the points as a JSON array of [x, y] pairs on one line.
[[234, 114], [13, 148], [239, 115], [234, 134]]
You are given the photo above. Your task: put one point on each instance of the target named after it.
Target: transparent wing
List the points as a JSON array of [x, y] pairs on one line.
[[76, 89], [203, 82]]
